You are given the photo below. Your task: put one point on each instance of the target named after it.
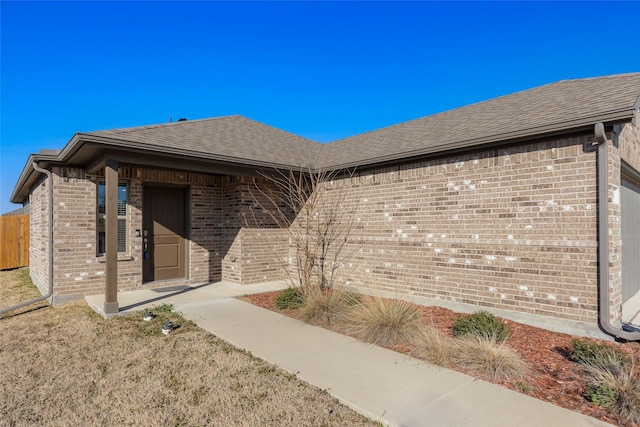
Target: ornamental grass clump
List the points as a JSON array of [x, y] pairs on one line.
[[328, 307], [610, 376], [488, 356], [481, 324], [434, 347], [385, 322]]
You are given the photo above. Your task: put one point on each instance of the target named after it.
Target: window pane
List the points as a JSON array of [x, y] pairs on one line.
[[122, 217], [122, 199], [122, 235], [101, 198], [100, 237]]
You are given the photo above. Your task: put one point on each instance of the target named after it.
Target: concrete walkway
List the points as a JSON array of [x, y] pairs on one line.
[[382, 384], [133, 301]]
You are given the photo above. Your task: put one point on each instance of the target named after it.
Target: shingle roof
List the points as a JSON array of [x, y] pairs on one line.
[[550, 108], [553, 107], [228, 138]]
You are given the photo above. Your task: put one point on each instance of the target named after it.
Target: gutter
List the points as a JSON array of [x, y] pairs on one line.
[[50, 292], [604, 302]]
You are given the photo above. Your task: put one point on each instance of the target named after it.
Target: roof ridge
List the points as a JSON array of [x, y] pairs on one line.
[[160, 125], [607, 76]]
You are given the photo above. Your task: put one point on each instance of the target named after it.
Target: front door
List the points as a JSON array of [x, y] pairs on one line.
[[163, 233]]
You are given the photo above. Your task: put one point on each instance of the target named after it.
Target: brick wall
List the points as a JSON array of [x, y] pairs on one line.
[[256, 244], [78, 270], [206, 248], [511, 228], [38, 235], [218, 208], [628, 141]]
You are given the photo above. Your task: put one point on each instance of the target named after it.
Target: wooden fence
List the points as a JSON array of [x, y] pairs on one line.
[[14, 241]]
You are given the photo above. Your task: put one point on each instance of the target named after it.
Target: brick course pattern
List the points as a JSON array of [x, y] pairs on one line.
[[511, 228], [38, 235], [217, 211]]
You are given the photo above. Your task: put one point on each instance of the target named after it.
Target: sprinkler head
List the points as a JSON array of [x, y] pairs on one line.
[[167, 327]]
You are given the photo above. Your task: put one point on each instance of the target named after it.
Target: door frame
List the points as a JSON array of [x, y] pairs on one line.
[[147, 268]]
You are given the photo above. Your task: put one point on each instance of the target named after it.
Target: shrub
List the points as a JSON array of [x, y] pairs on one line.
[[481, 324], [325, 307], [290, 298], [385, 322], [602, 395], [591, 353], [488, 356]]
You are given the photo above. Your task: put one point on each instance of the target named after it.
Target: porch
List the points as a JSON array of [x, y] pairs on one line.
[[134, 301]]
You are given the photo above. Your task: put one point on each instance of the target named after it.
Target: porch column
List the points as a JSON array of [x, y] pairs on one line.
[[111, 237]]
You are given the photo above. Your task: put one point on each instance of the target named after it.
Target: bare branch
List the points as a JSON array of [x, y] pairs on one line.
[[319, 223]]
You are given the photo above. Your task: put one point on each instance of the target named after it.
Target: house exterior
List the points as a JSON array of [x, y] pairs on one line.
[[528, 203]]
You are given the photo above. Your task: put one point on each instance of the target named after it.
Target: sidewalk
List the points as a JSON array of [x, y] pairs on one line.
[[382, 384], [134, 301]]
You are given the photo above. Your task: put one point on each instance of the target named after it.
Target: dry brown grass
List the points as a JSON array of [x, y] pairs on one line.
[[325, 307], [385, 322], [621, 379], [612, 372], [434, 347], [16, 287], [68, 366], [488, 356]]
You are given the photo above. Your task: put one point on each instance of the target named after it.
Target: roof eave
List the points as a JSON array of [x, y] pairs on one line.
[[18, 195], [80, 139], [117, 143]]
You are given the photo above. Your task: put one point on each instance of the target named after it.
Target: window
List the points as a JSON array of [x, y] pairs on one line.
[[122, 217]]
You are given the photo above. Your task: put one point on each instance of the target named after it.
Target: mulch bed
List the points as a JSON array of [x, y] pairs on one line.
[[551, 376]]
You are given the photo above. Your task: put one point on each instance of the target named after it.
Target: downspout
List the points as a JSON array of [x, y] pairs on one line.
[[604, 312], [50, 292]]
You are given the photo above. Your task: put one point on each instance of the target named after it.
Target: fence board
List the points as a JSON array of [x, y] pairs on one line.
[[14, 241]]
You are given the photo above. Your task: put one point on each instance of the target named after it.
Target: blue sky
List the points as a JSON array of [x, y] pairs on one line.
[[322, 70]]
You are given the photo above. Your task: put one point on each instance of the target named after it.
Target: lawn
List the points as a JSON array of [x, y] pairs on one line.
[[68, 366]]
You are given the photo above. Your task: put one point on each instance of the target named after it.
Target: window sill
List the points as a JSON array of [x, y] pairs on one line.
[[121, 257]]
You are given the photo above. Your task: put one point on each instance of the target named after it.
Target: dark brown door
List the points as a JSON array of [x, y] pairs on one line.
[[163, 234]]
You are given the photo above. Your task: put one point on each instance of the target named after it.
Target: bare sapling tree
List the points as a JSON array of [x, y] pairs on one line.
[[311, 206]]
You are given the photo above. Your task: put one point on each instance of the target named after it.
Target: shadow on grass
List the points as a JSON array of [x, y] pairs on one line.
[[22, 311]]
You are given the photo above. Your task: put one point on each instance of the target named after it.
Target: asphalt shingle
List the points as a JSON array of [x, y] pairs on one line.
[[231, 137], [549, 108], [557, 106]]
